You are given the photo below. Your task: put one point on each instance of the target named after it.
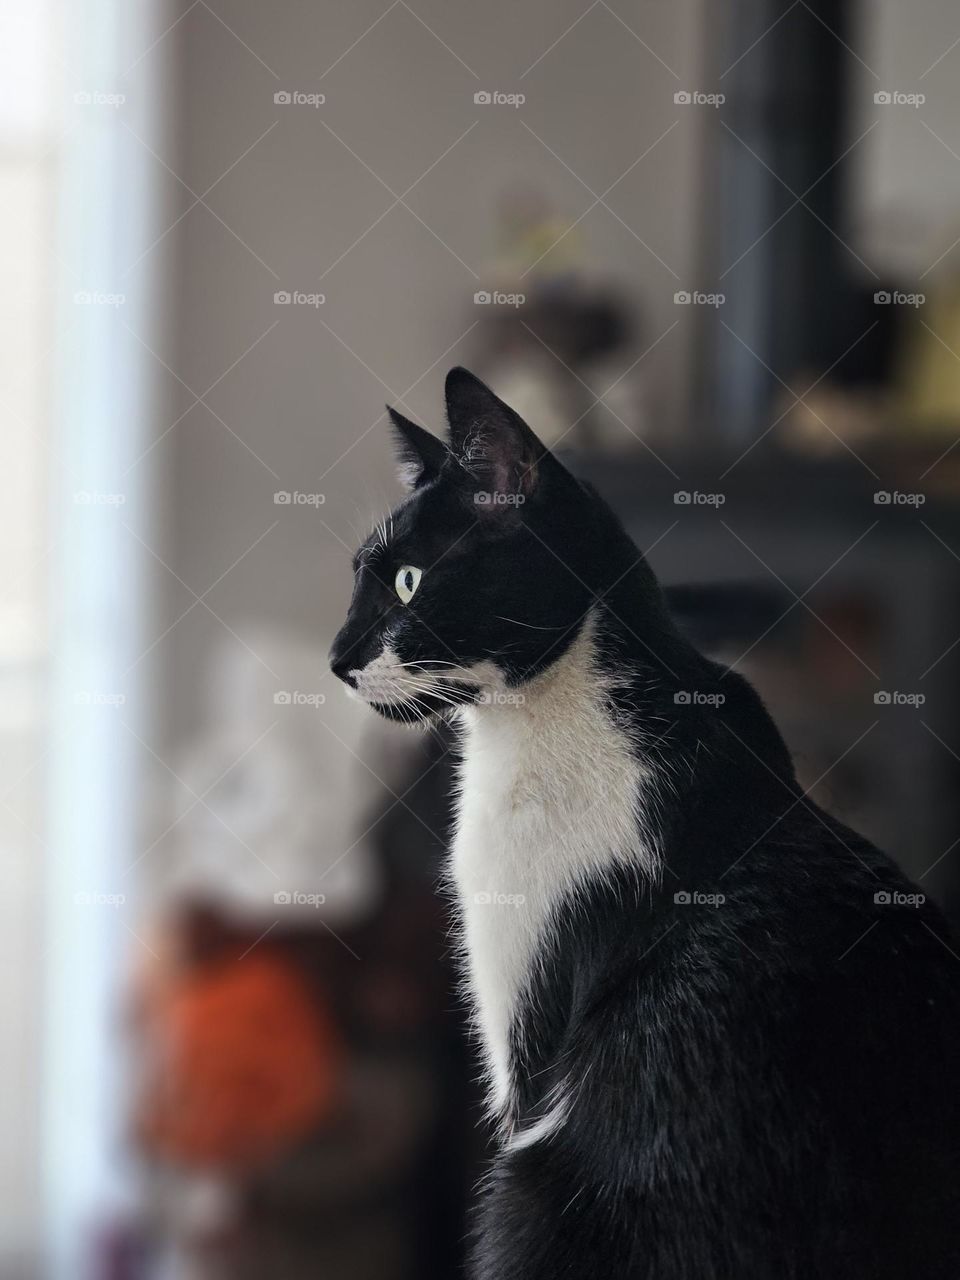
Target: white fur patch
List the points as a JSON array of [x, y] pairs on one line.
[[390, 682], [549, 798], [381, 679], [409, 473], [547, 1125]]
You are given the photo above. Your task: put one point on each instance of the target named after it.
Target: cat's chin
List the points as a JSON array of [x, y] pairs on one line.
[[426, 708]]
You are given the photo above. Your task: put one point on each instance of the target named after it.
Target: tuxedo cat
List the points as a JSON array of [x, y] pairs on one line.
[[722, 1031]]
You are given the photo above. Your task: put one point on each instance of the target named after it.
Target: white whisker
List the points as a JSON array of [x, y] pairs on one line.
[[533, 627]]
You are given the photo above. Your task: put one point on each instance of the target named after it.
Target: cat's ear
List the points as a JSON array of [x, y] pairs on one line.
[[420, 455], [492, 443]]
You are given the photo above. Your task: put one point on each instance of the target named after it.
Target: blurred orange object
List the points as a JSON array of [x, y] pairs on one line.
[[242, 1062]]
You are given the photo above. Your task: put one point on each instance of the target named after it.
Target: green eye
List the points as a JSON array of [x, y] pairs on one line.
[[406, 582]]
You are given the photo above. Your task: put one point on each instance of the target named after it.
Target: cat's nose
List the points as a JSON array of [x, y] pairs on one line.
[[341, 661], [341, 669]]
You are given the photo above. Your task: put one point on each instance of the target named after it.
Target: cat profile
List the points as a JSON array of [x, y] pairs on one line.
[[721, 1029]]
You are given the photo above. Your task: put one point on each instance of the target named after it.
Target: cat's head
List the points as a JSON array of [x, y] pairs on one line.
[[482, 577]]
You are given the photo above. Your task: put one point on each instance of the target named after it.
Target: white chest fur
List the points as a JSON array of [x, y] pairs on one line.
[[549, 795]]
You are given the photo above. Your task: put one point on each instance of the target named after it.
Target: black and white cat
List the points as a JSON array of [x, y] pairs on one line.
[[722, 1034]]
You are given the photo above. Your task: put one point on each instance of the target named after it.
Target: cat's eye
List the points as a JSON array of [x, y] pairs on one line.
[[406, 582]]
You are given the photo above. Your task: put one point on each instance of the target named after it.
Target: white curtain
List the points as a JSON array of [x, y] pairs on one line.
[[106, 409]]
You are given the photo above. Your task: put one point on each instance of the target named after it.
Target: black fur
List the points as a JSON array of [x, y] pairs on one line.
[[765, 1087]]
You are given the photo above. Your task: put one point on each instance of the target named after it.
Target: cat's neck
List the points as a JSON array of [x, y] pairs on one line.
[[558, 742], [551, 700], [552, 793]]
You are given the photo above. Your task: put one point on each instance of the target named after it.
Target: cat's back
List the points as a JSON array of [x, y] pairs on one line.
[[776, 1048]]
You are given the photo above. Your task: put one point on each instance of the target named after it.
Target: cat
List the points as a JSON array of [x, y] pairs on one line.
[[721, 1030]]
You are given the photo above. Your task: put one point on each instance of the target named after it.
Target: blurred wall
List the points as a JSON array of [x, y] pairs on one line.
[[907, 187], [302, 388]]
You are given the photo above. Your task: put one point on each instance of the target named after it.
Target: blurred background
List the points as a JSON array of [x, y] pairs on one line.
[[711, 251]]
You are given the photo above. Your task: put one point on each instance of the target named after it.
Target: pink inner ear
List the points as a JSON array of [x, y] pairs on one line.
[[514, 470], [499, 461], [503, 475], [502, 480], [527, 475], [493, 442], [408, 473]]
